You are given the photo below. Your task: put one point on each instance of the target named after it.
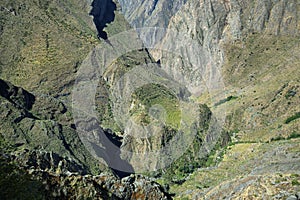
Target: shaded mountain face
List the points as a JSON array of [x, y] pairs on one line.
[[12, 94], [103, 13], [31, 123], [233, 64]]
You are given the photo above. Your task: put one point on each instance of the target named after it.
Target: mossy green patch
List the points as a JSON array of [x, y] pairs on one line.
[[151, 95]]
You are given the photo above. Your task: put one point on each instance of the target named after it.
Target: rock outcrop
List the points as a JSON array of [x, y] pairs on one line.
[[101, 187], [48, 176]]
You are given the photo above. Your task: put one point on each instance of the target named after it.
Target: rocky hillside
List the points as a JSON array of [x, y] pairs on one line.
[[31, 123], [256, 52], [136, 89], [43, 157], [246, 55], [206, 103]]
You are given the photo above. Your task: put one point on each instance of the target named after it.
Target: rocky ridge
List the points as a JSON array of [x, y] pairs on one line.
[[62, 171]]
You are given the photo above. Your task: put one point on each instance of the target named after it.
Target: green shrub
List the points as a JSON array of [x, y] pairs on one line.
[[225, 100], [294, 135], [295, 175], [278, 138], [292, 118], [295, 182]]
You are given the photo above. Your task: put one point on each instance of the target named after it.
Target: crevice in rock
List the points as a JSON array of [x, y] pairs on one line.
[[153, 7]]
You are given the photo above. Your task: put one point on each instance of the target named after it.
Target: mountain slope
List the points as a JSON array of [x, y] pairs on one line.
[[227, 68], [43, 43], [255, 48]]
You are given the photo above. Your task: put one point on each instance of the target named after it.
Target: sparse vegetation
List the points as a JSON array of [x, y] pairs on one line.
[[278, 138]]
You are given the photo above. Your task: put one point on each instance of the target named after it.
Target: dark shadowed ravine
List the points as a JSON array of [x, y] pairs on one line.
[[103, 13]]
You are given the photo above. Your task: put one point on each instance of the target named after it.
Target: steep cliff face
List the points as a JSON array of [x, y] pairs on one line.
[[154, 13], [232, 44], [214, 25], [251, 48]]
